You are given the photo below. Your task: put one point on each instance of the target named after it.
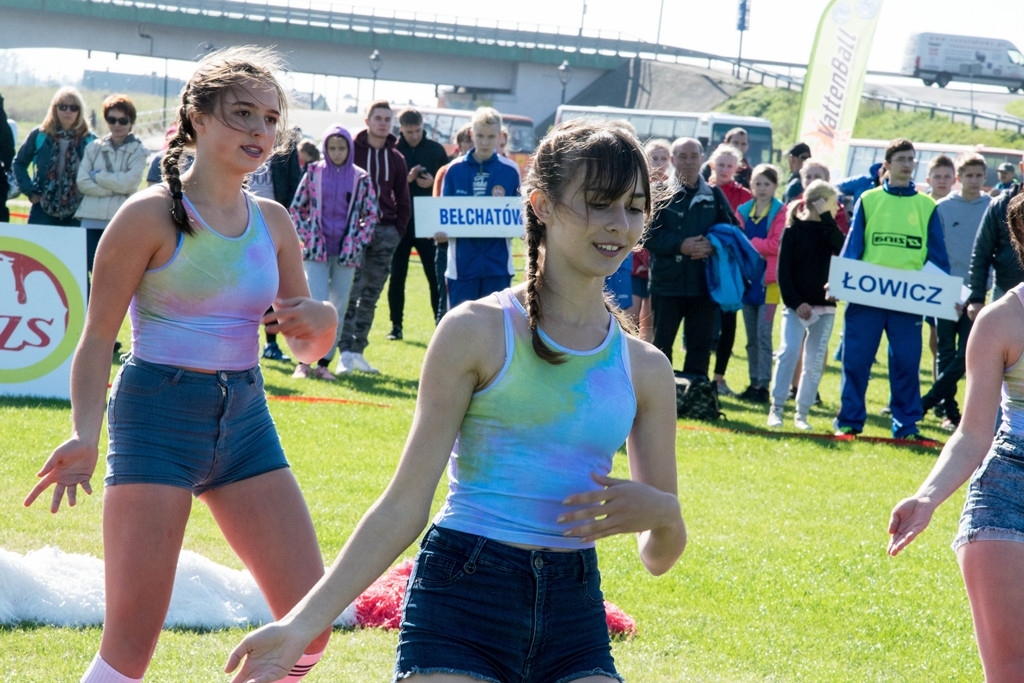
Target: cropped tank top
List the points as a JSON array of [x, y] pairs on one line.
[[534, 435], [202, 308], [1012, 393]]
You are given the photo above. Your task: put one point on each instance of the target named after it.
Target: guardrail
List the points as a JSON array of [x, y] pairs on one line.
[[317, 13], [971, 115]]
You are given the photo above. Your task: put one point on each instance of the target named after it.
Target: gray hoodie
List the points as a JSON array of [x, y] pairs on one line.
[[960, 222]]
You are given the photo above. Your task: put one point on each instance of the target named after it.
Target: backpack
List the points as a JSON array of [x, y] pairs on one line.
[[697, 398]]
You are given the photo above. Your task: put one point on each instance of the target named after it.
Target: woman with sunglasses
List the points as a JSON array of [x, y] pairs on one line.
[[110, 171], [55, 151]]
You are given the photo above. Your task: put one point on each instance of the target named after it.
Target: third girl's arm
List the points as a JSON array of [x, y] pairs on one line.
[[993, 345]]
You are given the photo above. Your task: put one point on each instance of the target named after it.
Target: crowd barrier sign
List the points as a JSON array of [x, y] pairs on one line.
[[42, 308], [921, 292]]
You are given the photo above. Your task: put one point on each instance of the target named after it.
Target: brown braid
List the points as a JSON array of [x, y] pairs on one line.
[[172, 171], [534, 283]]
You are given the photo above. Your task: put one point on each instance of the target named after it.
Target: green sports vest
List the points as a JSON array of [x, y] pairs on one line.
[[896, 228]]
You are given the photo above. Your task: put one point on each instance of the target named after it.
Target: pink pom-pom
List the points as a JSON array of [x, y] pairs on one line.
[[620, 624]]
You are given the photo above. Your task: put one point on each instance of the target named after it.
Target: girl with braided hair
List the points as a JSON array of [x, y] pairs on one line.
[[526, 395], [195, 262]]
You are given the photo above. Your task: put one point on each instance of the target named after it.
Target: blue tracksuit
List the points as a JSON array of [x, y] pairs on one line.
[[478, 266], [864, 326]]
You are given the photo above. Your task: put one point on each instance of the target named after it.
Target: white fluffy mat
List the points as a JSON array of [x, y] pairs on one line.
[[51, 587]]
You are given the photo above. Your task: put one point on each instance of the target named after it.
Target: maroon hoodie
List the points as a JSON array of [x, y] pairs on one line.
[[389, 173]]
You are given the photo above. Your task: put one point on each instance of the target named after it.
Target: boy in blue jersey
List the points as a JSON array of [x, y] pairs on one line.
[[896, 226], [478, 266]]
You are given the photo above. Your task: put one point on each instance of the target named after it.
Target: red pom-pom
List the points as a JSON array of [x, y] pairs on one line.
[[380, 605], [620, 624]]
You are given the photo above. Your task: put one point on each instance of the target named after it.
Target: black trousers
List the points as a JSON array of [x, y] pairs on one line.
[[400, 271], [697, 315]]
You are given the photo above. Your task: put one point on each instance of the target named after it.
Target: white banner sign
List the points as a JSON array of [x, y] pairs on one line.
[[42, 308], [911, 291], [469, 216]]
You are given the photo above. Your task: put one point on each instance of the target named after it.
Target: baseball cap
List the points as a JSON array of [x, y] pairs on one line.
[[1006, 166]]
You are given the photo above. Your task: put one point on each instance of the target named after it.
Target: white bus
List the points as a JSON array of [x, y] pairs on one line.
[[708, 127]]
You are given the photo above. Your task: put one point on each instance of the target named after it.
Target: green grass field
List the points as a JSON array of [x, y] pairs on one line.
[[785, 576]]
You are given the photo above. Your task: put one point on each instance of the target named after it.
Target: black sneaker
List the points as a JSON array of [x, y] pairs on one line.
[[395, 334], [762, 395], [749, 394], [791, 396], [273, 352]]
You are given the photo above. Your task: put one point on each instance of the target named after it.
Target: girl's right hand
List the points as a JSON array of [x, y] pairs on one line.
[[818, 205], [267, 654], [909, 518], [71, 464], [803, 311]]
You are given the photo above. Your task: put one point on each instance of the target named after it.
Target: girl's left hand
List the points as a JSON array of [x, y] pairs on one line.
[[300, 317], [622, 506]]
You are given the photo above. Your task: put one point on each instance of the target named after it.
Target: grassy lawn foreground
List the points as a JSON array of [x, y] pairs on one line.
[[785, 577]]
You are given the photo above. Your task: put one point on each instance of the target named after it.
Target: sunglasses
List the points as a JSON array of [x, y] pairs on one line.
[[68, 107], [122, 121]]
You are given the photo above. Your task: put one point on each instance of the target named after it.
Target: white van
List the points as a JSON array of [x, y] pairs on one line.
[[941, 57]]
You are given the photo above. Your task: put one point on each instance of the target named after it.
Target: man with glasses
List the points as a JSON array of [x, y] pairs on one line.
[[895, 226], [796, 156]]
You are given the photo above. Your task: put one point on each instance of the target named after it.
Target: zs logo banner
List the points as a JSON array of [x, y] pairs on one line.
[[42, 311]]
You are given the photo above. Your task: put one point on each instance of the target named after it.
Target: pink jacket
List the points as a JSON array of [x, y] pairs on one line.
[[767, 247], [362, 217]]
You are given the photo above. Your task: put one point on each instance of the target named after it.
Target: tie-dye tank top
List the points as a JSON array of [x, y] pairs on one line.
[[1012, 403], [202, 308], [535, 434]]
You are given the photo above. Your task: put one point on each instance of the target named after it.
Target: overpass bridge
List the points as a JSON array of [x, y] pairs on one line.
[[515, 65]]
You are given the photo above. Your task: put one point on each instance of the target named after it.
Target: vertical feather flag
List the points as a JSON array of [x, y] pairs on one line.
[[835, 79]]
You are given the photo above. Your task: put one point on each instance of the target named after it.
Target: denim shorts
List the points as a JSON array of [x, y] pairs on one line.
[[189, 429], [994, 509], [493, 612]]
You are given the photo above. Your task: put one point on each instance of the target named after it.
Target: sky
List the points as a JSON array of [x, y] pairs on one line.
[[778, 30]]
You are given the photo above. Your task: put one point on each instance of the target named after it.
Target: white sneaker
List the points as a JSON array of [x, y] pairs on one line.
[[775, 417], [344, 363], [801, 423], [357, 362]]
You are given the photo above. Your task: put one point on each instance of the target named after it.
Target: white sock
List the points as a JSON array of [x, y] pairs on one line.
[[303, 666], [101, 672]]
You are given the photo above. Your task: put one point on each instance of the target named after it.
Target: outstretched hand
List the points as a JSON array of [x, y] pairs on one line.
[[269, 653], [909, 518], [300, 317], [71, 465], [622, 506]]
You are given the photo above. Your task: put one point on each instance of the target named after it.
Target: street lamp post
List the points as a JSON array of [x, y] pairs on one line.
[[564, 76], [375, 62]]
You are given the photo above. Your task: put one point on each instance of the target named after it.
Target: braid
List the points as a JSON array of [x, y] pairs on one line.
[[172, 173], [534, 237]]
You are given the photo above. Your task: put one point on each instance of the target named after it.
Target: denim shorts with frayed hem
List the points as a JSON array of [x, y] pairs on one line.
[[189, 429], [493, 612], [994, 509]]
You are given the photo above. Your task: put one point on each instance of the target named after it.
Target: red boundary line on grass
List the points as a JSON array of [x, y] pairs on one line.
[[321, 399], [828, 437], [324, 399]]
